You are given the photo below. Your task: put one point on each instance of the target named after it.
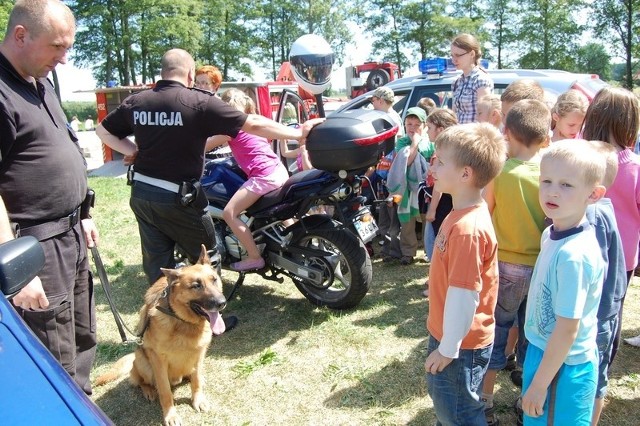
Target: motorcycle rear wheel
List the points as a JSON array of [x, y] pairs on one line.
[[347, 273]]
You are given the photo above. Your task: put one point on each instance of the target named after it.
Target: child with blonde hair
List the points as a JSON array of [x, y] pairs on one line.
[[561, 366], [265, 173], [568, 114], [464, 274], [490, 110]]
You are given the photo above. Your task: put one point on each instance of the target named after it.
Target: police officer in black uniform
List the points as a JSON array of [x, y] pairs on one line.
[[43, 184], [171, 124]]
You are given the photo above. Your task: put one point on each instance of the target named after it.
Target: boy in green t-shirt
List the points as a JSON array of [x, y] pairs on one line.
[[406, 173], [518, 219]]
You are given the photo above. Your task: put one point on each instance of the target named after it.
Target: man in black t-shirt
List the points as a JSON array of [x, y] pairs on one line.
[[43, 183], [171, 124]]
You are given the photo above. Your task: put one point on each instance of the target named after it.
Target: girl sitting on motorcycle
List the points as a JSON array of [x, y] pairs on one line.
[[265, 173]]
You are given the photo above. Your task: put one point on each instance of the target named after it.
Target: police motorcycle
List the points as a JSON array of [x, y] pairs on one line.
[[313, 229]]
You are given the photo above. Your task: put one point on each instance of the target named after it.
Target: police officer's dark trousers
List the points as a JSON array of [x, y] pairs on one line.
[[163, 222], [67, 327]]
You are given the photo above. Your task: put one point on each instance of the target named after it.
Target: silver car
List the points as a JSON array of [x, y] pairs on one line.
[[409, 90]]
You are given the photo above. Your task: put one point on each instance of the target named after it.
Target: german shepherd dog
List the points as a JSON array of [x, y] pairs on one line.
[[180, 312]]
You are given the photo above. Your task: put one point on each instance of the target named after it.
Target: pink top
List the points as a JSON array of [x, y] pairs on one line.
[[625, 196], [254, 155]]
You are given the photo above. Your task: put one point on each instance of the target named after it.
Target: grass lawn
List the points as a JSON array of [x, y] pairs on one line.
[[289, 362]]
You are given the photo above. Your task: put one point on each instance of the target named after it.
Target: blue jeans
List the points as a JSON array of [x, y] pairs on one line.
[[454, 390], [604, 340], [513, 287]]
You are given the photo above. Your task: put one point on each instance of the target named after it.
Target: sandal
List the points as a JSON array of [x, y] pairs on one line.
[[248, 265]]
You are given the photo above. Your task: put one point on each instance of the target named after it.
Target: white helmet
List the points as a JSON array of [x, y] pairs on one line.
[[311, 60]]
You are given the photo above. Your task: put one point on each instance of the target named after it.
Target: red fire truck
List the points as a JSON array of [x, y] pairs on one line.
[[370, 76]]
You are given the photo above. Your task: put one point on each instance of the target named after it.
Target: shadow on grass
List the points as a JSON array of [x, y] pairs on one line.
[[127, 288], [399, 288], [391, 386], [124, 401]]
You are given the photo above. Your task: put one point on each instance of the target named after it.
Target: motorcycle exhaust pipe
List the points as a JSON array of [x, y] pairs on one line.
[[341, 193]]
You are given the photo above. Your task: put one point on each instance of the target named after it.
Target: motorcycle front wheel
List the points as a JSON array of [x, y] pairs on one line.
[[346, 272]]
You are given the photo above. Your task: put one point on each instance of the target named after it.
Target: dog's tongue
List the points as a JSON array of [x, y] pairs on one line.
[[217, 324]]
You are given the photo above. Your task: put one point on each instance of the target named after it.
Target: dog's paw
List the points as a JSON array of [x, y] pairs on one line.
[[172, 418], [149, 392], [200, 403]]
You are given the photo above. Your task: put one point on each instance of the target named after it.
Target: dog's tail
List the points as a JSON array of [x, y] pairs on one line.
[[120, 368]]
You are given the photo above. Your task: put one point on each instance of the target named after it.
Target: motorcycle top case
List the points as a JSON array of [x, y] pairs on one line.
[[351, 140]]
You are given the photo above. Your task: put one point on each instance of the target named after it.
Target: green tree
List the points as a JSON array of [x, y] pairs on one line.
[[228, 35], [428, 26], [125, 39], [5, 9], [549, 33], [504, 17], [162, 25], [593, 58], [471, 9], [617, 22], [385, 25]]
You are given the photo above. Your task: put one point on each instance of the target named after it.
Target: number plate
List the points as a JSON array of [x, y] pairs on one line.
[[366, 230]]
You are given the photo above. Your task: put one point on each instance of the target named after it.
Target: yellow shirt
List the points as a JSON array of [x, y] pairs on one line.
[[517, 216]]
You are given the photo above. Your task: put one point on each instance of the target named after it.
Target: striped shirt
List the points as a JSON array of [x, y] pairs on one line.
[[465, 93]]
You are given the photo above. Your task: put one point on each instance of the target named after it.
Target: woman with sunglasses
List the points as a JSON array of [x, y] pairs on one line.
[[474, 82]]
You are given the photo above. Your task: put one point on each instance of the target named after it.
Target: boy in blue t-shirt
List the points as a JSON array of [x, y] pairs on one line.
[[601, 216], [561, 366]]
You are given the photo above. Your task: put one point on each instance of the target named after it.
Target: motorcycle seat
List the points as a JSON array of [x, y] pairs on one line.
[[300, 179]]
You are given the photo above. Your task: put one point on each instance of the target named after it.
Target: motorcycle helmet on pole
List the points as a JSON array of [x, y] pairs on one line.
[[311, 60]]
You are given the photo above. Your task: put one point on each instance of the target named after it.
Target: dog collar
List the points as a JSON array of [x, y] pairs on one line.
[[165, 297]]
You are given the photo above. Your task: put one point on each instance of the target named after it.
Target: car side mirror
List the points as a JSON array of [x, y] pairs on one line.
[[20, 261]]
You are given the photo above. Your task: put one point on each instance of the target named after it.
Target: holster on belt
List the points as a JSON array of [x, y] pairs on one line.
[[191, 193]]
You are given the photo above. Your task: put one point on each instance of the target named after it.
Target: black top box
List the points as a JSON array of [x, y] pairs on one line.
[[351, 140]]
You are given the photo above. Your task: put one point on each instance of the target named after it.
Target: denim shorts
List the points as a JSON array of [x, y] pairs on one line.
[[455, 390], [570, 396], [513, 287], [604, 340]]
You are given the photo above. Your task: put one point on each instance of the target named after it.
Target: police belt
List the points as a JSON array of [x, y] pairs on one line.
[[164, 184], [46, 230]]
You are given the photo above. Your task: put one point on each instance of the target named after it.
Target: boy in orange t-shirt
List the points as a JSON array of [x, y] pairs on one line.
[[463, 279]]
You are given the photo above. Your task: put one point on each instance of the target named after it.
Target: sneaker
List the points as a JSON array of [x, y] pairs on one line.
[[248, 265], [517, 407], [511, 362], [516, 378], [389, 259], [491, 417], [425, 292], [406, 260], [633, 341], [230, 322]]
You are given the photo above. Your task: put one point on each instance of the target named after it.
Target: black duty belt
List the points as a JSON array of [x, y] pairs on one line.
[[46, 230]]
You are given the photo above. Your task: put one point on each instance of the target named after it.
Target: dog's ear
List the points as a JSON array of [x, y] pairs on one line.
[[204, 256], [171, 274]]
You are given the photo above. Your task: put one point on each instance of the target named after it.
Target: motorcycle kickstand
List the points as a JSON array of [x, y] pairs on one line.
[[236, 286]]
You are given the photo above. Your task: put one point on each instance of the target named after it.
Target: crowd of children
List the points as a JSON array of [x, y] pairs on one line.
[[521, 229]]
